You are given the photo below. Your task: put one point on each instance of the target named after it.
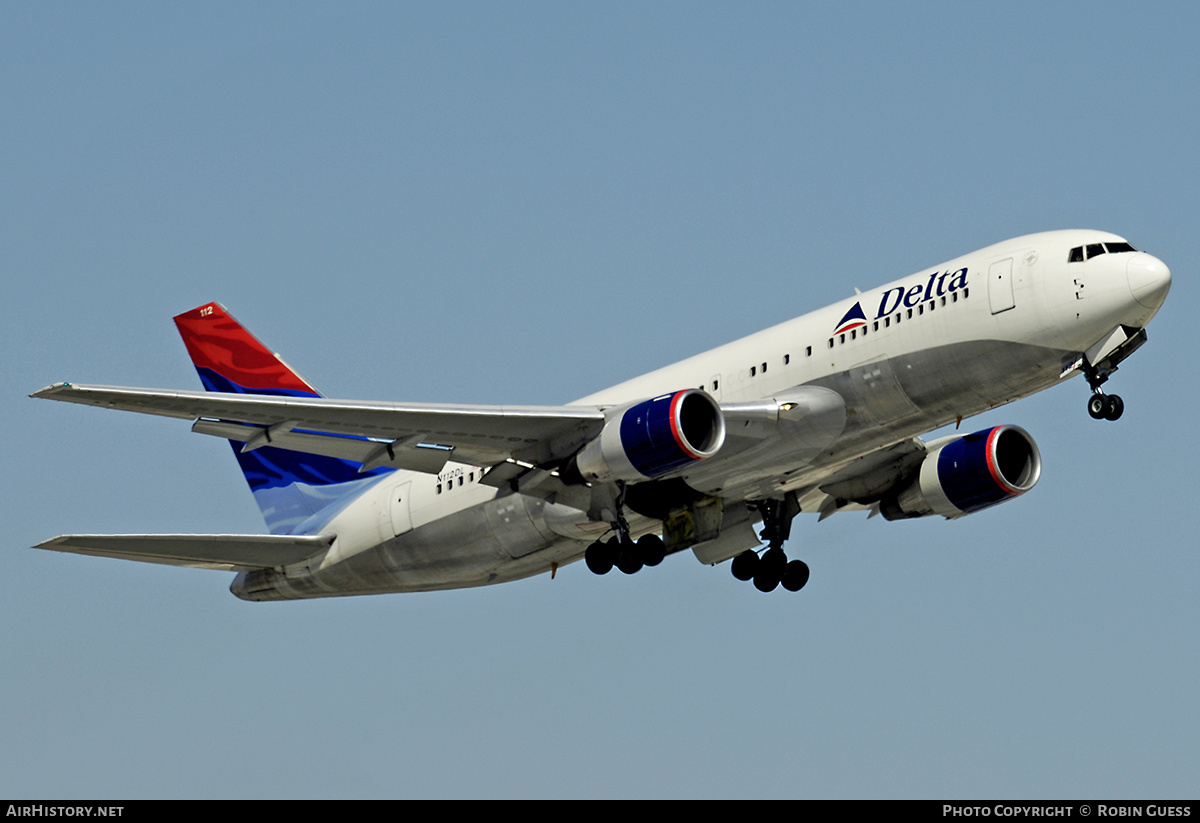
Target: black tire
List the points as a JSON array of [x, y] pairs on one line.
[[775, 560], [598, 558], [651, 549], [1097, 404], [765, 579], [629, 559], [795, 575], [744, 564], [1114, 408], [770, 569]]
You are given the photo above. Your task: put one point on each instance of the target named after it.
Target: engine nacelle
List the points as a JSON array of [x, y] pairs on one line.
[[969, 473], [653, 438]]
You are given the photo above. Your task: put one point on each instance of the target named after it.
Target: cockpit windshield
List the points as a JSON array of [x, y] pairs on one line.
[[1097, 249]]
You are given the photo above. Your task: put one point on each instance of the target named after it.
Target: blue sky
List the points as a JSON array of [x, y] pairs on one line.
[[523, 203]]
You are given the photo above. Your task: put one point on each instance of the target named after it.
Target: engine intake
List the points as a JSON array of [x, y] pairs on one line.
[[653, 438], [969, 473]]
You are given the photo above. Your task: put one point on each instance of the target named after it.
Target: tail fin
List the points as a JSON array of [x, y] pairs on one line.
[[289, 487]]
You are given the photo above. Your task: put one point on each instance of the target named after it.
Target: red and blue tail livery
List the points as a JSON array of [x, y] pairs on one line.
[[231, 359], [291, 488]]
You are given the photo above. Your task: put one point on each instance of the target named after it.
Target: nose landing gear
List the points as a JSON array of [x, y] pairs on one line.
[[1102, 406]]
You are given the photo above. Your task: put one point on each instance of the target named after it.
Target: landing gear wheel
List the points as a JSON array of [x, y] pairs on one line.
[[1097, 405], [744, 564], [765, 580], [774, 559], [629, 559], [598, 558], [795, 575], [770, 569], [1114, 408], [651, 550]]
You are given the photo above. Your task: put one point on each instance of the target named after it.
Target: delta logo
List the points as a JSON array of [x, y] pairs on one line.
[[853, 319], [939, 284]]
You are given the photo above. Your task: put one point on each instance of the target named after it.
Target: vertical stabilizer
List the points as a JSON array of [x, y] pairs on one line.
[[289, 487]]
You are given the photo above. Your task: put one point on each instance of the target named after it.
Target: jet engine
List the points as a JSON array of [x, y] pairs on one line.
[[961, 475], [653, 438]]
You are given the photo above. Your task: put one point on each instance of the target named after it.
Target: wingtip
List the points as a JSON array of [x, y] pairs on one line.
[[51, 543], [51, 390]]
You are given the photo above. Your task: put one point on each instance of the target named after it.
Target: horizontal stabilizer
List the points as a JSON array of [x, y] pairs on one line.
[[226, 552]]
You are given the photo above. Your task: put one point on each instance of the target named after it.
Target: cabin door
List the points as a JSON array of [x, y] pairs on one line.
[[1000, 289]]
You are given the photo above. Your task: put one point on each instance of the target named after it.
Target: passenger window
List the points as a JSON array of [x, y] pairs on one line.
[[808, 351], [753, 371], [764, 368]]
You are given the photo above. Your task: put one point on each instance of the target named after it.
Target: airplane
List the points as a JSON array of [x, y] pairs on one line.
[[717, 453]]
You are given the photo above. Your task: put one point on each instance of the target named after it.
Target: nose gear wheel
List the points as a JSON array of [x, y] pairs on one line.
[[1102, 406]]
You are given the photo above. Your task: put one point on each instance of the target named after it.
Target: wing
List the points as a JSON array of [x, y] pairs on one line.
[[229, 552], [417, 436]]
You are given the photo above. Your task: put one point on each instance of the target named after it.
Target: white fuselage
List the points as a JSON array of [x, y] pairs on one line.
[[942, 344]]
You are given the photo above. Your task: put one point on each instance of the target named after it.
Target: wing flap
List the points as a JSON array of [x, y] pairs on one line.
[[225, 552], [371, 453]]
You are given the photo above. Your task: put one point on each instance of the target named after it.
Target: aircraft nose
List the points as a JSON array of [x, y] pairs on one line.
[[1149, 279]]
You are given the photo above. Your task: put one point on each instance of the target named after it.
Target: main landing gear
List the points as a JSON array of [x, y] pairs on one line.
[[773, 569], [621, 550], [770, 570], [1102, 406]]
